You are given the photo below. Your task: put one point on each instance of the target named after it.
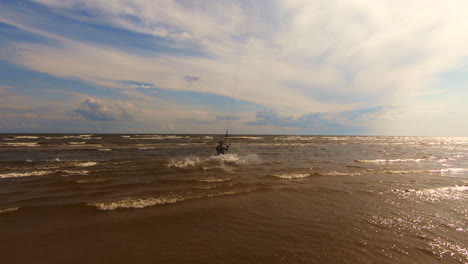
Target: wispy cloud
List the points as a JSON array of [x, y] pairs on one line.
[[312, 61]]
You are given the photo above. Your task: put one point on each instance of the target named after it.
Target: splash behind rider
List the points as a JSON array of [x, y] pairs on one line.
[[221, 148]]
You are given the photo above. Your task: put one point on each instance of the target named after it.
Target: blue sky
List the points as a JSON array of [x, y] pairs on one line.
[[367, 67]]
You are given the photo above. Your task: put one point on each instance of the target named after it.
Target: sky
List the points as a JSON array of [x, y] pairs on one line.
[[294, 67]]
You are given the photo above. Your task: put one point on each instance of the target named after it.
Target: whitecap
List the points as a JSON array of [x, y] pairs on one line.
[[22, 144], [292, 175], [76, 143], [449, 171], [185, 162], [86, 164], [23, 174], [26, 137], [152, 201]]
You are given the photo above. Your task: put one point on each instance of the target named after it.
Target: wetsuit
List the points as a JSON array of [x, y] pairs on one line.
[[221, 149]]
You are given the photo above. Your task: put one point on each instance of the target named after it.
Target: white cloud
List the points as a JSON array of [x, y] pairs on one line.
[[373, 52]]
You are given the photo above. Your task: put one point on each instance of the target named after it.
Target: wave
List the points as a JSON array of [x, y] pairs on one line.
[[86, 164], [293, 138], [449, 170], [26, 137], [337, 173], [76, 143], [8, 210], [21, 144], [390, 160], [213, 180], [292, 175], [193, 161], [152, 201], [23, 174], [74, 172], [185, 162]]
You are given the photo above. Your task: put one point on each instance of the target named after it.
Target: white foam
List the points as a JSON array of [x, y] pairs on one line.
[[8, 210], [168, 199], [337, 173], [449, 170], [75, 172], [292, 175], [86, 164], [26, 137], [389, 160], [23, 174], [77, 143], [193, 161], [22, 144], [136, 202], [185, 162]]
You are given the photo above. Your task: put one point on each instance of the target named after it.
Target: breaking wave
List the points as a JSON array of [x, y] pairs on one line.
[[165, 199], [193, 161]]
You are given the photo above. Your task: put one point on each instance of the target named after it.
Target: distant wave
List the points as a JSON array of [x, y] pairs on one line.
[[390, 160], [26, 137], [21, 144]]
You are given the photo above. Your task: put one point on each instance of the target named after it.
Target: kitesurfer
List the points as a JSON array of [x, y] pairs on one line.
[[221, 148]]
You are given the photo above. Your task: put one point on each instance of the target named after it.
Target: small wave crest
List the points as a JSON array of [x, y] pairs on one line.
[[21, 144], [165, 199], [8, 210], [292, 175], [86, 164], [193, 161], [23, 174], [390, 160]]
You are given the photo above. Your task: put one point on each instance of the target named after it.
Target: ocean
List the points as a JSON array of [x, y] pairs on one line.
[[109, 198]]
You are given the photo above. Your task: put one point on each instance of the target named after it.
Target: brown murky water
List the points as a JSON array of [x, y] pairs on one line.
[[272, 199]]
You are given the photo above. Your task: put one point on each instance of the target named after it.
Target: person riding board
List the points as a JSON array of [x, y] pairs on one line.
[[221, 148]]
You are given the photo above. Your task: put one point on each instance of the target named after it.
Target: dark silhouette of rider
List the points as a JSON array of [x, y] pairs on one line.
[[221, 148]]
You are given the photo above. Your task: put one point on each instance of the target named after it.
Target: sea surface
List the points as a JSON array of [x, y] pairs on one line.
[[108, 198]]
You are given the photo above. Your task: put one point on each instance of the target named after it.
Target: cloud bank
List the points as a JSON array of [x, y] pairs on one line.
[[314, 62]]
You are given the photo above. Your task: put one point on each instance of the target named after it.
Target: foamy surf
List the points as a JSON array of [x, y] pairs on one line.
[[193, 161], [138, 203]]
